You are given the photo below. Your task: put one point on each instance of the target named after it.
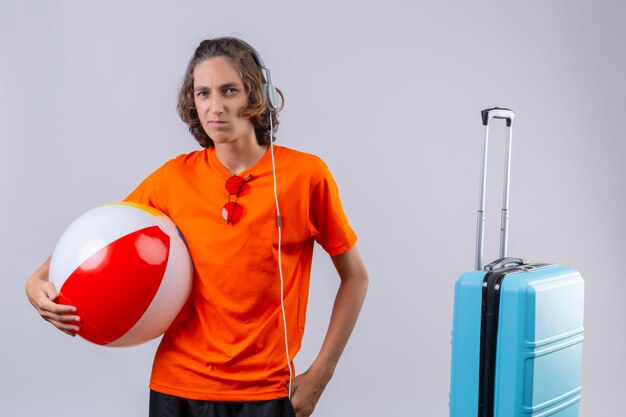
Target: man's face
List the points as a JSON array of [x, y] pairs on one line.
[[219, 95]]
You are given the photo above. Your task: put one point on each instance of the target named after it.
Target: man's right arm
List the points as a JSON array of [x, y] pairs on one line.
[[41, 294]]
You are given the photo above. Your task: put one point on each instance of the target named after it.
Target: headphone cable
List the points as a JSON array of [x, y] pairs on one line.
[[280, 266]]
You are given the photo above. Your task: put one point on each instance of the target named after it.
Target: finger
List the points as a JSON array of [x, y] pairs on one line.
[[51, 295], [61, 308], [295, 403], [64, 318], [45, 304], [49, 290], [70, 329], [68, 332]]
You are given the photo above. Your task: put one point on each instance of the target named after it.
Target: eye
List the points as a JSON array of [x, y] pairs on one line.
[[202, 94], [230, 91]]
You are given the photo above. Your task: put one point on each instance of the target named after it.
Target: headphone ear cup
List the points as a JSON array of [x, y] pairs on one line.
[[271, 95]]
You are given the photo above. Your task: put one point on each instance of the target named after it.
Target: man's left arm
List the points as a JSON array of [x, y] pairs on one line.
[[308, 387]]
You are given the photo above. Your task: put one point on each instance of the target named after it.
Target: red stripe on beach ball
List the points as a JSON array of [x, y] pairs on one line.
[[113, 288]]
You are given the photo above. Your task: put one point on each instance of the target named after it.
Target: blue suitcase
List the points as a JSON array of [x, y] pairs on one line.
[[517, 328]]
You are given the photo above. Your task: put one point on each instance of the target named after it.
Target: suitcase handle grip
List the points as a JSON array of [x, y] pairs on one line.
[[487, 115], [504, 262], [498, 113]]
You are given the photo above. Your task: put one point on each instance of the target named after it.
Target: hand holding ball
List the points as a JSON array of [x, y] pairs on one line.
[[126, 269]]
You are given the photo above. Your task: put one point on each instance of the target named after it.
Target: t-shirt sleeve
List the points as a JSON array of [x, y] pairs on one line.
[[328, 221], [151, 191]]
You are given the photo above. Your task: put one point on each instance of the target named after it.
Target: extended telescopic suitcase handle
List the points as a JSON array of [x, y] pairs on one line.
[[487, 115]]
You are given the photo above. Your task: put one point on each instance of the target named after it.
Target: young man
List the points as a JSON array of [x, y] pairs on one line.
[[230, 351]]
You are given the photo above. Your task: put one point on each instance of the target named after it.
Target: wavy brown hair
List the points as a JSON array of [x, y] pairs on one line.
[[242, 59]]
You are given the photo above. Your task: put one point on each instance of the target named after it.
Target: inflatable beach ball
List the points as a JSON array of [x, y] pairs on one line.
[[126, 269]]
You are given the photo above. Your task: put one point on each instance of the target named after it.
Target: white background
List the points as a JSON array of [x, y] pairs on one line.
[[388, 94]]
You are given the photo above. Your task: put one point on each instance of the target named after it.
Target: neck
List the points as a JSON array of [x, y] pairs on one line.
[[239, 156]]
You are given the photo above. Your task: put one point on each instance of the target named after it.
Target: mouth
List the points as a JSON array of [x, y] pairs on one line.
[[217, 124]]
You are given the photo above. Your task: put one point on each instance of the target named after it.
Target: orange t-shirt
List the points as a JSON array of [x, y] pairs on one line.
[[227, 343]]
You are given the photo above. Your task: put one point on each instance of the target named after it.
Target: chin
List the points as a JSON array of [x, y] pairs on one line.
[[221, 138]]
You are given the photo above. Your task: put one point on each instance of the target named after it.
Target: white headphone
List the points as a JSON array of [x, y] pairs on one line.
[[271, 95]]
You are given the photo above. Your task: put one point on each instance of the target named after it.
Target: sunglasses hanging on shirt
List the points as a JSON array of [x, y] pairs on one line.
[[232, 210]]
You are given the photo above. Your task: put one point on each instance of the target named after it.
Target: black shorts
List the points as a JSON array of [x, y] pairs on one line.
[[163, 405]]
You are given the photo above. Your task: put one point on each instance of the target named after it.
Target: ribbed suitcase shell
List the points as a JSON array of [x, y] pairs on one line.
[[539, 344]]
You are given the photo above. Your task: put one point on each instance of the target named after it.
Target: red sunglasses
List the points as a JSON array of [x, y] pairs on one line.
[[232, 210]]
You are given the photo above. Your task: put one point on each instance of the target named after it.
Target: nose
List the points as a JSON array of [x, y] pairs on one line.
[[216, 104]]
